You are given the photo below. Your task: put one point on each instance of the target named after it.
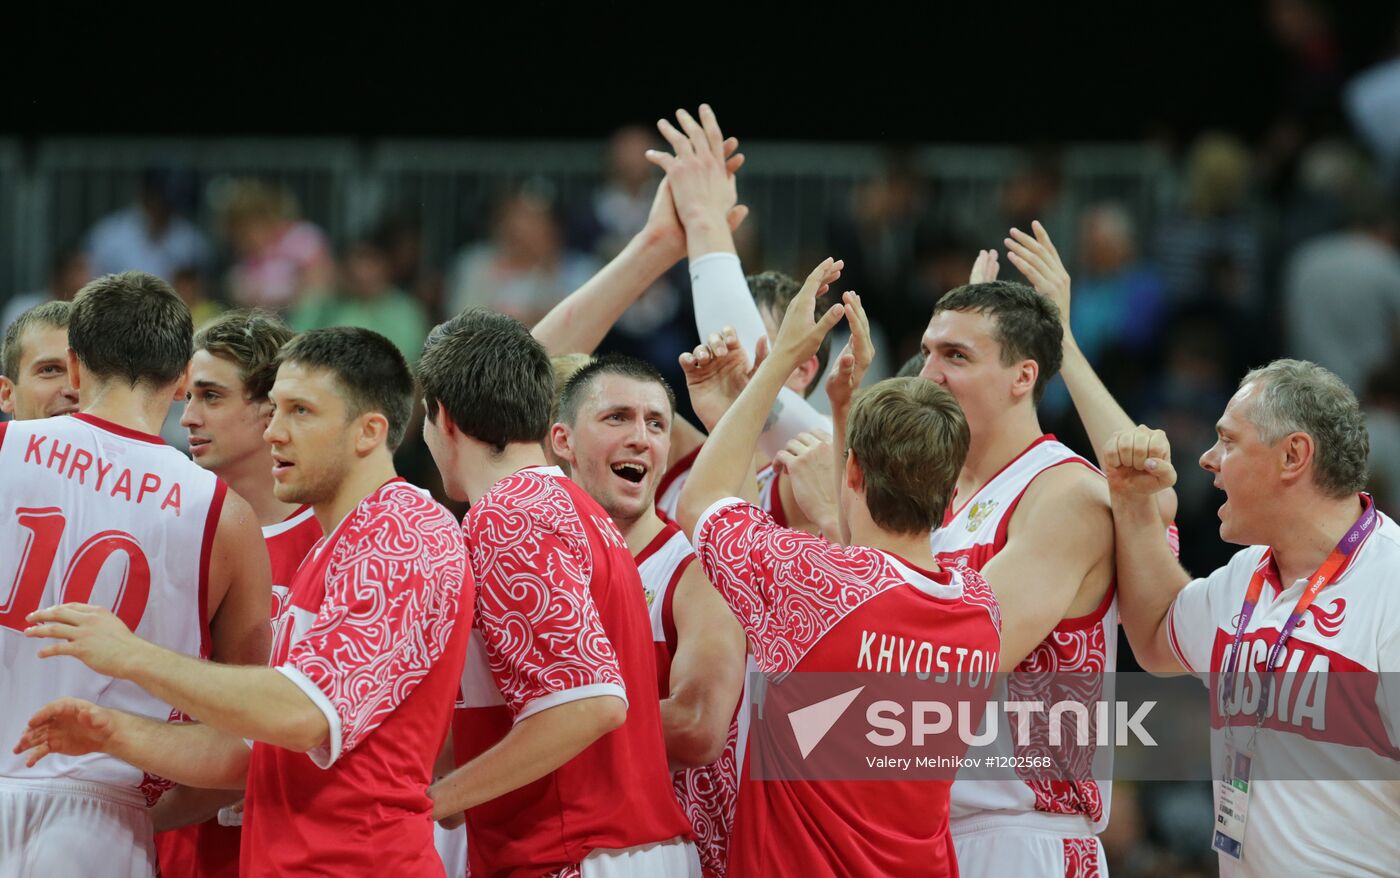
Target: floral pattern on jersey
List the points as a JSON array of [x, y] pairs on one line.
[[535, 609], [709, 796], [1067, 666], [1081, 858], [393, 594], [786, 588]]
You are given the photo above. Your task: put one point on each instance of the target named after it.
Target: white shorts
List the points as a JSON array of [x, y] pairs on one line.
[[59, 828], [1004, 850], [451, 846], [664, 859]]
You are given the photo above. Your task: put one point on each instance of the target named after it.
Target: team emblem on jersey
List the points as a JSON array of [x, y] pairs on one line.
[[979, 513], [651, 596], [1329, 623]]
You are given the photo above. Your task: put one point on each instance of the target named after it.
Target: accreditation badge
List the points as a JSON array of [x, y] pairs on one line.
[[1232, 802]]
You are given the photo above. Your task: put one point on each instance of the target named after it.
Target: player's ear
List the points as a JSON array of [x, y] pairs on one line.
[[7, 395], [855, 478], [808, 371], [74, 370], [1296, 452], [373, 432], [561, 443], [183, 385], [1026, 374]]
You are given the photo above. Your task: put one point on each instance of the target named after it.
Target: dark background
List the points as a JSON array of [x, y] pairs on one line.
[[848, 72]]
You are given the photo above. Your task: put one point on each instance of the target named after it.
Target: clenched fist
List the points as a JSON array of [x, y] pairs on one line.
[[1138, 461]]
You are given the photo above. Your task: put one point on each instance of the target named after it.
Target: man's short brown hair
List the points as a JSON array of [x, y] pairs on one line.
[[131, 326], [250, 339], [910, 438], [1027, 324], [51, 314]]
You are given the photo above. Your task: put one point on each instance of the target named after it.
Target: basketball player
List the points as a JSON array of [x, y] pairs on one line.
[[612, 434], [34, 364], [226, 413], [805, 603], [99, 511], [347, 722], [562, 763]]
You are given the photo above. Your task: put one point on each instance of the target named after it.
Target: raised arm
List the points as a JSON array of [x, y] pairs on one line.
[[579, 323], [1138, 465], [187, 753], [707, 673], [726, 460], [719, 291], [1035, 257]]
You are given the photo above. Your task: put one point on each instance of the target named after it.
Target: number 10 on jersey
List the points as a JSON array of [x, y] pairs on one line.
[[37, 558]]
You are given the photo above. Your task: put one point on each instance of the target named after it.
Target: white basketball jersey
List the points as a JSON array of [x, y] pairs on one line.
[[93, 512], [974, 530]]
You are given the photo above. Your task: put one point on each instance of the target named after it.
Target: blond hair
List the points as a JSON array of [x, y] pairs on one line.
[[910, 438]]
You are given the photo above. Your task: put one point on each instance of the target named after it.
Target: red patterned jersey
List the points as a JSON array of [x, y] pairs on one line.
[[210, 849], [707, 794], [376, 635], [560, 617], [809, 605]]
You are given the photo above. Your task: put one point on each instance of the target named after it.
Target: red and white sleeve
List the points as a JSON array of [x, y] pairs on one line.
[[393, 593], [544, 638]]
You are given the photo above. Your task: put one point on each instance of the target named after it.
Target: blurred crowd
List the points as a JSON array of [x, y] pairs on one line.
[[1280, 244]]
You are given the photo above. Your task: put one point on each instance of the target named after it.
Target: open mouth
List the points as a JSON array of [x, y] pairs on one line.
[[632, 472], [280, 464]]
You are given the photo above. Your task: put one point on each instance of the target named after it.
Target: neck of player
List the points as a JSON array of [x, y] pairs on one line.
[[1309, 534], [641, 531], [249, 479], [912, 548], [135, 408], [482, 470], [994, 446], [363, 478]]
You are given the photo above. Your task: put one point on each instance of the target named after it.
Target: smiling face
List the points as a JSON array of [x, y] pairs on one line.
[[964, 357], [41, 387], [311, 434], [617, 447], [1247, 469], [225, 426]]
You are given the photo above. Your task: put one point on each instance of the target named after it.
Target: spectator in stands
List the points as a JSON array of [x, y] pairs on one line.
[[279, 257], [411, 268], [1118, 300], [68, 271], [190, 283], [150, 235], [366, 297], [1342, 293], [1214, 226], [524, 270], [618, 209]]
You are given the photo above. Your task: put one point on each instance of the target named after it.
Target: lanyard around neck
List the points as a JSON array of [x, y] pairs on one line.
[[1320, 579]]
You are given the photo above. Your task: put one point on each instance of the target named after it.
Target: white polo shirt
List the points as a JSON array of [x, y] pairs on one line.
[[1307, 827]]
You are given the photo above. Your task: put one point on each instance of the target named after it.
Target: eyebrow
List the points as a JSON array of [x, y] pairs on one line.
[[210, 384], [48, 361]]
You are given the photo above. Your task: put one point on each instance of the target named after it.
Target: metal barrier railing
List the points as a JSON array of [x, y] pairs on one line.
[[794, 189]]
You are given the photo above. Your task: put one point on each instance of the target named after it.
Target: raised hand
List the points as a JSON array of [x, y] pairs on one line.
[[1037, 259], [1138, 461], [663, 227], [89, 633], [986, 268], [854, 359], [716, 372], [702, 182], [802, 332], [810, 464], [66, 727]]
